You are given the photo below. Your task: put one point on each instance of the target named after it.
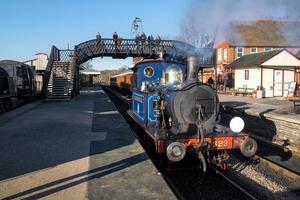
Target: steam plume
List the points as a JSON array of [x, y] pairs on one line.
[[204, 19]]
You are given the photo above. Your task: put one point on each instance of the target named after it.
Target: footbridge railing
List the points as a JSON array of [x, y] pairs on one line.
[[122, 48]]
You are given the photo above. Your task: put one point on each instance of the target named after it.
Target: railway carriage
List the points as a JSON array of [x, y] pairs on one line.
[[17, 84], [181, 114], [122, 81]]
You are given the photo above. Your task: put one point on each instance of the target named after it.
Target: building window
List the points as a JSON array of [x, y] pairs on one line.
[[268, 49], [239, 52], [247, 74], [225, 54], [253, 50], [219, 55]]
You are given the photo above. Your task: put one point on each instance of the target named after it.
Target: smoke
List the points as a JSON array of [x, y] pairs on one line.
[[209, 20]]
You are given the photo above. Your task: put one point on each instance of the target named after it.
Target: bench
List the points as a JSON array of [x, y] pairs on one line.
[[295, 98], [243, 91]]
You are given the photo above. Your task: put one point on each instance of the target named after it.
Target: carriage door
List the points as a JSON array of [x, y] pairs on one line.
[[278, 83]]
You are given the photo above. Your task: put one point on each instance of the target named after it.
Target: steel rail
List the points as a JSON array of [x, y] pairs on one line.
[[235, 185]]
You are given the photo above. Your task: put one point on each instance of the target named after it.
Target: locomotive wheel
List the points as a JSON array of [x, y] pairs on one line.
[[248, 147]]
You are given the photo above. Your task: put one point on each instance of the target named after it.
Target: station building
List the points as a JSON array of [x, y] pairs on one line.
[[89, 77], [39, 63], [272, 71], [243, 38]]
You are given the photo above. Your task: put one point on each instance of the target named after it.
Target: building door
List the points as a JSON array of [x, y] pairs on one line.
[[278, 83], [297, 76]]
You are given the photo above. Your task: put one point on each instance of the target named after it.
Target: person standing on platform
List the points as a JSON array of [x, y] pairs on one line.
[[210, 81]]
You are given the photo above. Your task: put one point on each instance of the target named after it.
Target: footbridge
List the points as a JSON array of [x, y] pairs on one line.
[[61, 79]]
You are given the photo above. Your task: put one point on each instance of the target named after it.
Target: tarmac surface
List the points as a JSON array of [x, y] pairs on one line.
[[79, 149]]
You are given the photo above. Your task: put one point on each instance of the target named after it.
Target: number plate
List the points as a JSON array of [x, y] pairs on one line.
[[220, 143]]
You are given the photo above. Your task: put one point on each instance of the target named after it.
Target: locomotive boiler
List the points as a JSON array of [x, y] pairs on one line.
[[181, 114]]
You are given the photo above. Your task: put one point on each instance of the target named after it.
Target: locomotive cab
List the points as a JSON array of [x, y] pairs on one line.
[[180, 113]]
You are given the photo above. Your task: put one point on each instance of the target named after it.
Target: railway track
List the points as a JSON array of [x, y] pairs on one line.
[[187, 182], [292, 172]]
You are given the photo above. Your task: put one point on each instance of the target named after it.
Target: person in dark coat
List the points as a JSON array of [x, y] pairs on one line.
[[143, 38], [98, 38], [150, 41], [210, 81], [157, 39], [115, 38]]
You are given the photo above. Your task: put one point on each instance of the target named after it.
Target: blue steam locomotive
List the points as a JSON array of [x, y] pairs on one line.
[[181, 114]]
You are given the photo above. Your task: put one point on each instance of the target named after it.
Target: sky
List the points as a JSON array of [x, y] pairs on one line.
[[28, 27], [32, 26]]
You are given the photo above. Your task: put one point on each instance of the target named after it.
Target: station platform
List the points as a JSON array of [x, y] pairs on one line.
[[78, 149], [274, 119], [271, 121]]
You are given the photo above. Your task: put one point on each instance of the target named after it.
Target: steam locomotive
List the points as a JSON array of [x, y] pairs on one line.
[[181, 114], [18, 84]]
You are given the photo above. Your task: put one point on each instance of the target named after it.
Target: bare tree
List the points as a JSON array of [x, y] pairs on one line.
[[192, 33], [123, 68], [87, 65]]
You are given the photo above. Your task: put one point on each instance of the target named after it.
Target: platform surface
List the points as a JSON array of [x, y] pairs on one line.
[[277, 107], [79, 149]]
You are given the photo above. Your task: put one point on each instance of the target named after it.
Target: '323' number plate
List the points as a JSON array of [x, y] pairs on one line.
[[221, 143]]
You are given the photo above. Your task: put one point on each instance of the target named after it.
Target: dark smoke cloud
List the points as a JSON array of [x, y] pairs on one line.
[[205, 18]]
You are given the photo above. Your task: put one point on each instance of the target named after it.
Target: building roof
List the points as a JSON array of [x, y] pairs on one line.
[[123, 73], [41, 53], [254, 59], [89, 72], [264, 58], [298, 54], [263, 33]]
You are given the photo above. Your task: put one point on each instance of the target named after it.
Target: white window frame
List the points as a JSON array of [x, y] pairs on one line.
[[219, 54], [237, 52], [225, 54], [253, 48], [268, 48]]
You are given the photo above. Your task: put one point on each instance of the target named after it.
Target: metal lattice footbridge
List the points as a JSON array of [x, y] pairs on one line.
[[61, 79]]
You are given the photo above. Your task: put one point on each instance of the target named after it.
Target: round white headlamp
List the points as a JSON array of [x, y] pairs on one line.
[[236, 124]]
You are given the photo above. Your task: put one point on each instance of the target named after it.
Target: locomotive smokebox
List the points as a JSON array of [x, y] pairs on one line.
[[192, 69]]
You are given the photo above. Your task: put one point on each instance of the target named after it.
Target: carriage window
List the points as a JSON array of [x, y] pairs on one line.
[[149, 72], [173, 75]]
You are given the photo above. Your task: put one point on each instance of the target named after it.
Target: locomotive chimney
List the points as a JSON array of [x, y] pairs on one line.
[[192, 70]]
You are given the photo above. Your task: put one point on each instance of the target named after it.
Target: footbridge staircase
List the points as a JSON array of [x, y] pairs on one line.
[[61, 78]]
